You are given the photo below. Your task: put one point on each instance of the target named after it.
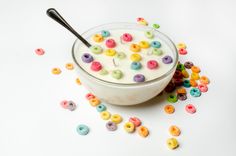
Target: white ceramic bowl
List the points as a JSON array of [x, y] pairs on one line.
[[124, 94]]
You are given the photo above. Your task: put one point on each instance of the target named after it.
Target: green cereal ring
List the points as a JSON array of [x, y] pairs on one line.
[[157, 51], [180, 67], [103, 72], [96, 49], [117, 74], [172, 98], [149, 34], [156, 26], [121, 55]]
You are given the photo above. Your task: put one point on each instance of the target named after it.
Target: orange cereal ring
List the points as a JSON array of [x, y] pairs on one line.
[[174, 130], [69, 66], [78, 81], [135, 47], [94, 102], [169, 109], [193, 83], [204, 80], [181, 91], [195, 69], [143, 131], [56, 71]]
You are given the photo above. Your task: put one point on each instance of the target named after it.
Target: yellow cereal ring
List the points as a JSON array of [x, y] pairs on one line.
[[78, 81], [195, 76], [135, 57], [98, 38], [172, 143], [143, 22], [116, 118], [169, 109], [174, 130], [181, 91], [135, 48], [193, 83], [94, 102], [185, 74], [181, 45], [56, 71], [129, 127], [204, 80], [110, 52], [105, 115], [69, 66], [143, 131], [144, 44]]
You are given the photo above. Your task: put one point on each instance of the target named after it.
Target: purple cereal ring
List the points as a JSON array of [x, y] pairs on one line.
[[182, 97], [87, 58], [188, 64], [167, 59], [71, 106], [139, 78], [111, 126]]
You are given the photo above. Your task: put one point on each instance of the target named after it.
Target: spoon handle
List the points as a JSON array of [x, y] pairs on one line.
[[58, 18]]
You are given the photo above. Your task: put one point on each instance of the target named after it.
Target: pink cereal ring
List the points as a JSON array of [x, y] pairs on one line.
[[64, 104], [152, 64], [190, 108], [136, 121], [96, 66], [39, 51], [182, 51], [127, 37], [89, 96], [203, 87], [110, 43]]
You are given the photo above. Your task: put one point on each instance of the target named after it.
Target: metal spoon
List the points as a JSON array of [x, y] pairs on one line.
[[51, 12]]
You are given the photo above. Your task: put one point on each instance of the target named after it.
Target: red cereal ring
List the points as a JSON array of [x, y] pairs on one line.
[[136, 121], [89, 96], [182, 51], [140, 19], [96, 66], [203, 87], [190, 108], [64, 104], [39, 51], [152, 64]]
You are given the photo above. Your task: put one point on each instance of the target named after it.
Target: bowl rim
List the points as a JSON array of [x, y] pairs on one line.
[[126, 84]]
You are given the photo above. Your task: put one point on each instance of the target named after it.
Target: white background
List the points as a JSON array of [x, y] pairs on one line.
[[33, 123]]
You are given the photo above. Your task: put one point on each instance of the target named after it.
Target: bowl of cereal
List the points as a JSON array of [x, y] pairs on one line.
[[126, 64]]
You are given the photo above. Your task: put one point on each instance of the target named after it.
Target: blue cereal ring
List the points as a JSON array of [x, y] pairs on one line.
[[186, 83], [105, 33], [82, 129], [101, 108], [136, 65], [195, 92], [155, 44]]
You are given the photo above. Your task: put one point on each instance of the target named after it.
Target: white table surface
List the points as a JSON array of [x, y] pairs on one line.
[[33, 123]]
